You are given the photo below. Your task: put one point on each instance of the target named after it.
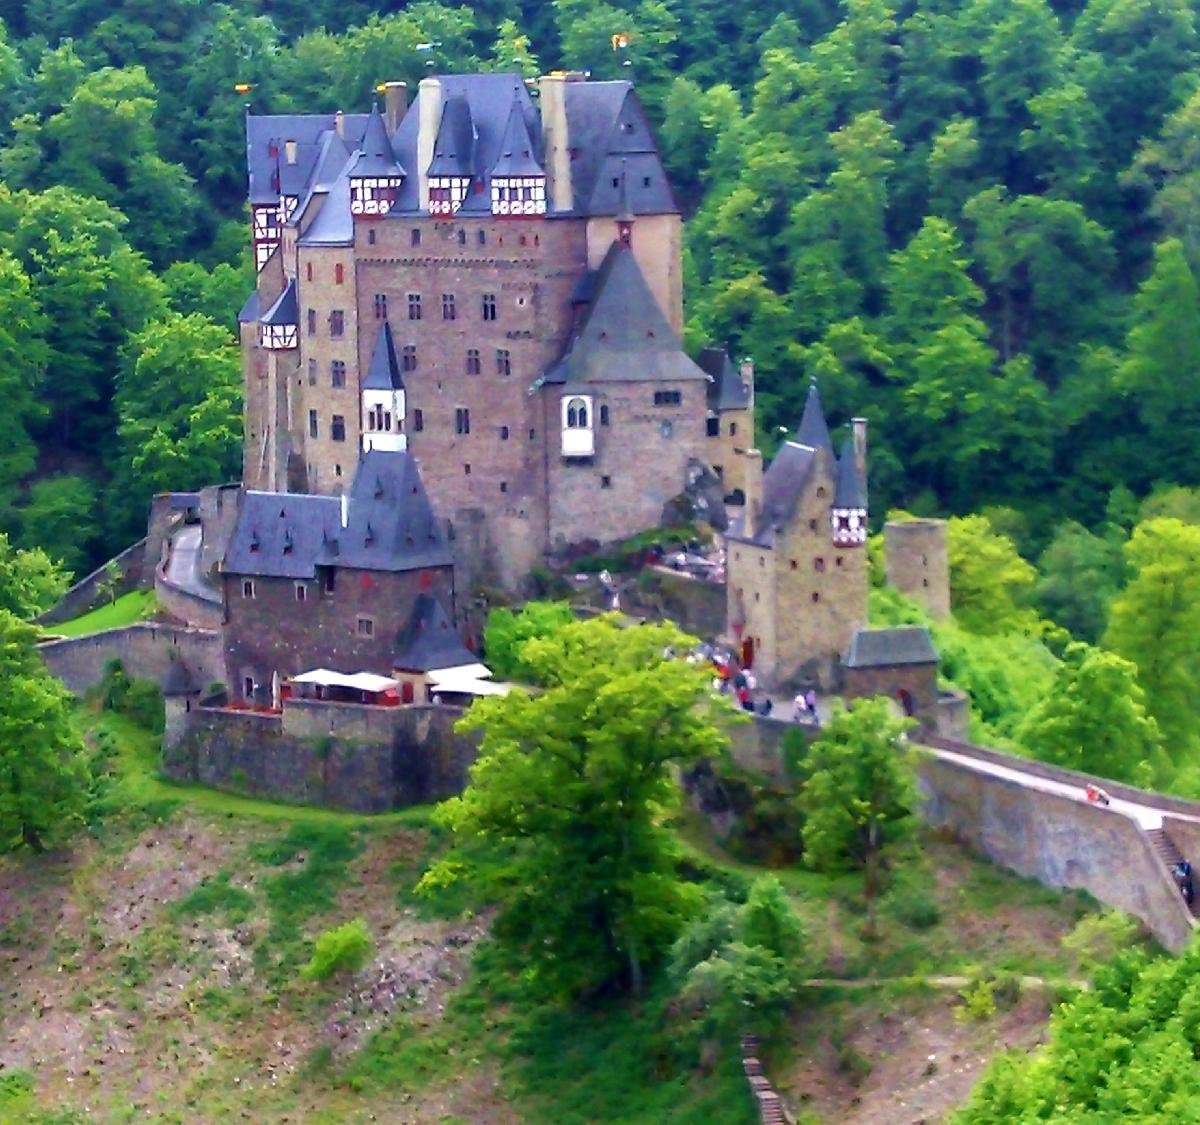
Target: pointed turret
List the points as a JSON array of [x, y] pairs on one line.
[[848, 515], [375, 174], [383, 399], [518, 180], [813, 431], [279, 326], [454, 157]]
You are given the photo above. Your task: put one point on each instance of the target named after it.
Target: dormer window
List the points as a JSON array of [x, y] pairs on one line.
[[518, 195], [373, 195], [578, 436], [446, 193]]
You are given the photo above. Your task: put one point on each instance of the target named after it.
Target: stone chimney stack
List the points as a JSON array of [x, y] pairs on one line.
[[429, 120], [395, 102], [858, 427], [555, 139], [339, 123]]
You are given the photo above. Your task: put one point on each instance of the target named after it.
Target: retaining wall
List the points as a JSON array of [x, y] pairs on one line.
[[86, 594], [186, 606], [145, 649], [1057, 840], [367, 759]]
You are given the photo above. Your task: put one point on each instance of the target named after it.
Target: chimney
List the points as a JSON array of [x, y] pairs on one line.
[[345, 509], [858, 427], [289, 150], [429, 120], [339, 123], [753, 489], [555, 140], [395, 101]]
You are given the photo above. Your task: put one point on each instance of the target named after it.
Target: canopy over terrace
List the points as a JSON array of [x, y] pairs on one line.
[[342, 687]]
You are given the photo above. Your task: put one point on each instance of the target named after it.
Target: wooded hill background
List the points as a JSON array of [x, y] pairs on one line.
[[974, 222]]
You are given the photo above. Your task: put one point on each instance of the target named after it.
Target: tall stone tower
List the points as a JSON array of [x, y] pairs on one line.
[[917, 563], [796, 564]]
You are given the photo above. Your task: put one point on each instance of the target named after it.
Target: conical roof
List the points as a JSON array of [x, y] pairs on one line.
[[286, 309], [375, 156], [517, 156], [813, 431], [850, 490], [384, 372]]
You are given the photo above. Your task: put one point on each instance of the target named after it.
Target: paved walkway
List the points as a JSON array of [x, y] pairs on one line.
[[183, 564]]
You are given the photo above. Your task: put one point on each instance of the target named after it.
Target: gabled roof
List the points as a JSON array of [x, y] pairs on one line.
[[623, 335], [250, 310], [390, 526], [286, 309], [430, 641], [334, 225], [850, 489], [384, 372], [882, 648], [375, 156], [812, 430], [727, 390], [516, 155], [305, 129], [454, 147], [179, 679]]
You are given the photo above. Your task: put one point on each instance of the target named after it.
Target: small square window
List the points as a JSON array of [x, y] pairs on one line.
[[247, 589], [414, 306], [366, 627], [337, 373], [371, 237], [819, 565], [816, 597], [794, 565], [448, 309], [408, 357], [604, 414], [606, 482], [247, 687], [415, 237], [462, 420], [301, 592], [473, 364], [713, 427], [489, 306], [504, 486], [418, 420], [733, 429], [503, 362], [337, 323], [504, 433], [337, 428], [381, 306], [812, 525], [532, 434], [467, 469]]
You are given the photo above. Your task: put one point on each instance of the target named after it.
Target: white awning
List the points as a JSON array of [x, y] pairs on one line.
[[357, 681], [473, 671], [454, 683]]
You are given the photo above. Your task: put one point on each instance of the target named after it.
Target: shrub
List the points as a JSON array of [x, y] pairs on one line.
[[139, 700], [345, 948], [979, 1002]]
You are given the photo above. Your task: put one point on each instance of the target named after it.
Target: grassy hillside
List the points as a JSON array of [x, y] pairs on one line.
[[153, 973]]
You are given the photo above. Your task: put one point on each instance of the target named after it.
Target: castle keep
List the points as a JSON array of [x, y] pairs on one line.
[[489, 279]]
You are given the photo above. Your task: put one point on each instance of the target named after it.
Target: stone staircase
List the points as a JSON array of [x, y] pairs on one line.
[[771, 1110], [1166, 850]]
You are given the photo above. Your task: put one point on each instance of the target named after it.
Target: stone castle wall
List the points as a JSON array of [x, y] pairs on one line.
[[87, 594], [917, 563], [366, 759], [145, 650]]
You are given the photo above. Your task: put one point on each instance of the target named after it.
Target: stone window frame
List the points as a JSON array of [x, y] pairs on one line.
[[381, 306], [449, 311], [503, 361], [418, 420], [408, 358], [414, 306], [337, 322], [314, 425], [488, 305], [504, 433], [247, 587], [668, 398], [364, 626], [474, 364], [301, 592], [337, 373], [606, 481], [337, 427], [603, 414], [462, 420], [819, 565]]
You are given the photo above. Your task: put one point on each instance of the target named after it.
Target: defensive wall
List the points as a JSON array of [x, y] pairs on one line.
[[146, 650], [363, 758], [203, 613], [88, 592]]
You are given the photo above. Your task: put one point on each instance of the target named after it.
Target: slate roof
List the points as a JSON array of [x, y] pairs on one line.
[[850, 490], [727, 390], [384, 372], [812, 430], [516, 154], [334, 225], [487, 125], [623, 336], [454, 147], [250, 310], [430, 641], [286, 309], [375, 156], [179, 680], [883, 648], [306, 130], [390, 526]]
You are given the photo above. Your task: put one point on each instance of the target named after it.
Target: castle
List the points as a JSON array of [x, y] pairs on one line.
[[490, 282]]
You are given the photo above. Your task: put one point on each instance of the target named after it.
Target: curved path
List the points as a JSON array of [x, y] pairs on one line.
[[182, 569]]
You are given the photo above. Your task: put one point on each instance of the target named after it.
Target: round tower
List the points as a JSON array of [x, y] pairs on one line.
[[917, 563]]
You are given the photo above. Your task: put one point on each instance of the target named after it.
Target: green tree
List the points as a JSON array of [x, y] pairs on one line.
[[561, 819], [859, 793], [506, 631], [1078, 575], [1155, 623], [216, 293], [179, 404], [1094, 719], [23, 357], [42, 769], [990, 584], [30, 581], [1163, 341], [60, 518]]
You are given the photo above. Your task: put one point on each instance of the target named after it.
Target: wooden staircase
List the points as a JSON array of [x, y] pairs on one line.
[[1166, 850], [771, 1110]]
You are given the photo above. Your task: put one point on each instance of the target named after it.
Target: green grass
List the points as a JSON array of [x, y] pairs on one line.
[[134, 606]]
